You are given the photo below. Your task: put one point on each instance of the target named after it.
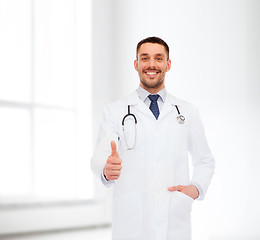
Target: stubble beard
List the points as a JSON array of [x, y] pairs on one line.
[[149, 85], [152, 86]]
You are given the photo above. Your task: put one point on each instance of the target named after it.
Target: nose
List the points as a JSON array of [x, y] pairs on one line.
[[152, 62]]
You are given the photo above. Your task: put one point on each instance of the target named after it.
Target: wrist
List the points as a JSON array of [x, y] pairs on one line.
[[104, 174], [196, 190]]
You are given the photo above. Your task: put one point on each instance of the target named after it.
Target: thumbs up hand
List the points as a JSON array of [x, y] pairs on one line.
[[113, 166]]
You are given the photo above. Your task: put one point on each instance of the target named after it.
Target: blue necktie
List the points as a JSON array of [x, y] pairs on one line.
[[154, 105]]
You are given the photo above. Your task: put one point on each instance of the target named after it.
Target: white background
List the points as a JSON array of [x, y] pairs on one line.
[[214, 47], [215, 53]]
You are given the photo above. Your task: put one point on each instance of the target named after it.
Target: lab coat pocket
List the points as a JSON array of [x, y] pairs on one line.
[[127, 216], [180, 216]]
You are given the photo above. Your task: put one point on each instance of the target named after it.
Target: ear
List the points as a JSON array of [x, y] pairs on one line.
[[136, 64], [169, 64]]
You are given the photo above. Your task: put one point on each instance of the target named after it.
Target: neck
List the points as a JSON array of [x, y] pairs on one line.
[[152, 90]]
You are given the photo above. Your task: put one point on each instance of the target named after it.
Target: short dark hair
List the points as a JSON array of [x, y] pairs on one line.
[[153, 40]]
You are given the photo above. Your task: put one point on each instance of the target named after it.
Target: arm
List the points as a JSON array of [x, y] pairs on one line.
[[202, 159], [102, 153]]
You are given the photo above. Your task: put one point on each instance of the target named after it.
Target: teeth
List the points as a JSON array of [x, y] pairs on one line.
[[151, 73]]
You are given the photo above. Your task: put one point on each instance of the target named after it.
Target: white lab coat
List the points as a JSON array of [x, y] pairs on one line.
[[143, 208]]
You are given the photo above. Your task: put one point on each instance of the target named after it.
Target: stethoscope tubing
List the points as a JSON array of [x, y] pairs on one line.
[[128, 115], [131, 114], [180, 119]]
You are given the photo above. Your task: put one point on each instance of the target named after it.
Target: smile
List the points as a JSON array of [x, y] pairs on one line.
[[151, 73]]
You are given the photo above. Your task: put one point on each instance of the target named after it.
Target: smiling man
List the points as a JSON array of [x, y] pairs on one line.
[[152, 62], [142, 151]]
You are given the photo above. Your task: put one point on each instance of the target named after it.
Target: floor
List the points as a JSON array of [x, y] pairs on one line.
[[90, 234]]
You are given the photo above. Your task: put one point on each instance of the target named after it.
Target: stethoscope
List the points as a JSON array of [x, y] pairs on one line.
[[180, 119]]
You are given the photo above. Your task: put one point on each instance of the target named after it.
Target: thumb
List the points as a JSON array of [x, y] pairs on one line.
[[114, 152]]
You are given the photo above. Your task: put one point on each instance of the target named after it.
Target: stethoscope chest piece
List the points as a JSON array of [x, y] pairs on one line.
[[180, 118]]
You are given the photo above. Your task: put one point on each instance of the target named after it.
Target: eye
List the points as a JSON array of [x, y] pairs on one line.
[[159, 59], [144, 58]]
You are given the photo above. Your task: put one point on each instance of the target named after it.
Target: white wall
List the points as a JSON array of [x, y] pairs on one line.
[[214, 47]]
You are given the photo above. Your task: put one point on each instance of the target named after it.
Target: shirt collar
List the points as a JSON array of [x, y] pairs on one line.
[[143, 94]]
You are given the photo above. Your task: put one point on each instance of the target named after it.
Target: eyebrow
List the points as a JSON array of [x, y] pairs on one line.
[[146, 54]]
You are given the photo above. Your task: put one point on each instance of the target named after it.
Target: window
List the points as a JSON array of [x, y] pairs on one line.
[[45, 101]]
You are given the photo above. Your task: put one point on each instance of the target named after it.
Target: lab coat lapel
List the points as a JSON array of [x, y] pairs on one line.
[[134, 100], [168, 106]]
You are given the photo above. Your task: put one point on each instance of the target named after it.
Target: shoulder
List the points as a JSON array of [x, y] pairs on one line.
[[181, 103], [186, 109], [118, 108], [123, 102], [115, 105]]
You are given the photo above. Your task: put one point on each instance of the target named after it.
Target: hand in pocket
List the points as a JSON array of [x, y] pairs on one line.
[[189, 190]]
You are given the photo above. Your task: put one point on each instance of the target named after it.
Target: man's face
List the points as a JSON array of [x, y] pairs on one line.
[[151, 65]]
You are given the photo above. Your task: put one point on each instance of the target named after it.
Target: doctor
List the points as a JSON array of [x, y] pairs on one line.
[[145, 156]]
